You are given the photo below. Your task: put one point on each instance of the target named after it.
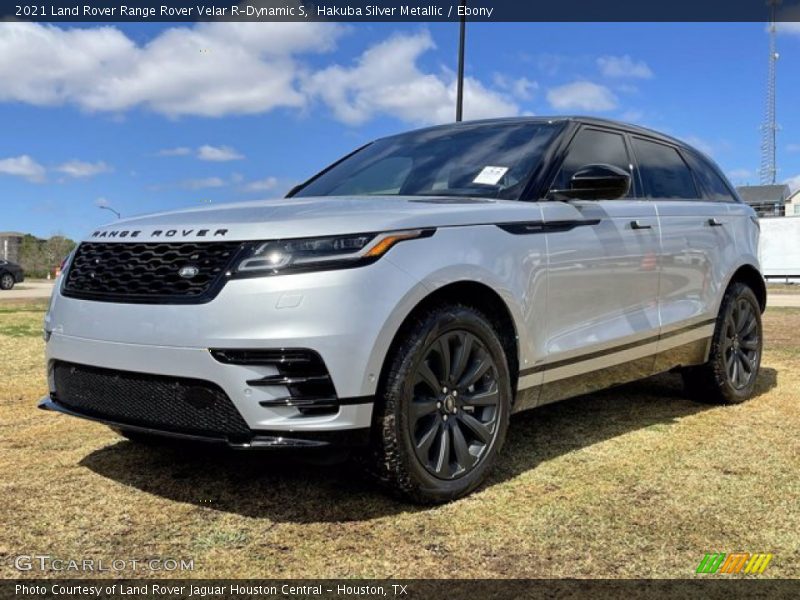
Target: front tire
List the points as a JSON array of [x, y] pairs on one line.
[[729, 376], [6, 281], [443, 406]]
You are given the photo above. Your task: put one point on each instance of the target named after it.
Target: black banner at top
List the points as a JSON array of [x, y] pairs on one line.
[[401, 10]]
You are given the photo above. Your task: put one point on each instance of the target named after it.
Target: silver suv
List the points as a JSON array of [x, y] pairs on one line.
[[410, 297]]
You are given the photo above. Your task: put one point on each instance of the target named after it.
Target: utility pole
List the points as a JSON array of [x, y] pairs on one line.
[[460, 89], [768, 169]]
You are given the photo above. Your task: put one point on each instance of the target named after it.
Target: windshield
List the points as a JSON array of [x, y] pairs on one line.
[[483, 160]]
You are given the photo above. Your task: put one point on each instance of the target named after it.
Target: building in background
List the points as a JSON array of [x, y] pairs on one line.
[[792, 204], [10, 242], [767, 200]]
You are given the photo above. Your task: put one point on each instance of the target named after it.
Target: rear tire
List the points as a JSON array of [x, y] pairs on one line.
[[6, 281], [729, 376], [443, 406]]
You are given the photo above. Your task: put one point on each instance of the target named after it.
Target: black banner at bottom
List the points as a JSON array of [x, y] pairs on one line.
[[406, 589]]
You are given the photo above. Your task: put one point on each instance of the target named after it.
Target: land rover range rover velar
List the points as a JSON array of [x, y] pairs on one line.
[[410, 297]]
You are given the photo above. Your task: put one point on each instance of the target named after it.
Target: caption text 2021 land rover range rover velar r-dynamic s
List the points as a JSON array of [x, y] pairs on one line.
[[410, 297]]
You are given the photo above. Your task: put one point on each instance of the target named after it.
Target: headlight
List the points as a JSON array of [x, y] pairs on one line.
[[317, 254]]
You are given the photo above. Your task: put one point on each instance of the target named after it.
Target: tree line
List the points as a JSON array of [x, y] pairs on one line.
[[38, 257]]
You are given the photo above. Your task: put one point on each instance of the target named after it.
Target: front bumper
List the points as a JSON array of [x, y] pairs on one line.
[[346, 317], [259, 439]]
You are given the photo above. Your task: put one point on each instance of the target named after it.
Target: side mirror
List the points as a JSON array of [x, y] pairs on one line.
[[597, 182]]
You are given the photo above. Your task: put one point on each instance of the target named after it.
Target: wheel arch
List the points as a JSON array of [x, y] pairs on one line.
[[750, 276], [469, 293]]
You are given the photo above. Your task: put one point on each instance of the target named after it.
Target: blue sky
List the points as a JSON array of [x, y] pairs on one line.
[[147, 117]]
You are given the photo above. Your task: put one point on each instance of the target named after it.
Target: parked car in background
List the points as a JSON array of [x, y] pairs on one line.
[[411, 296], [10, 274]]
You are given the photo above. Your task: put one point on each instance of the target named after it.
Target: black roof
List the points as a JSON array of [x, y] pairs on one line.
[[600, 122]]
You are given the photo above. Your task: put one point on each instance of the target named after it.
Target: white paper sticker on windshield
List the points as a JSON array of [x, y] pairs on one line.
[[490, 175]]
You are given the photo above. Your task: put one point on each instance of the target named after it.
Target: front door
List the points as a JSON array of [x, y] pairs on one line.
[[602, 279]]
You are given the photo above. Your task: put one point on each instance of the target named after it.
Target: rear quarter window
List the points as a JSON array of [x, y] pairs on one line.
[[714, 186]]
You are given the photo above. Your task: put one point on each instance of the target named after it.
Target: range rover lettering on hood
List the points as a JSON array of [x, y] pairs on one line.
[[168, 233]]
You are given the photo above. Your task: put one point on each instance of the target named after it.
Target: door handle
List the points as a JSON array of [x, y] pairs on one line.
[[640, 225], [715, 223]]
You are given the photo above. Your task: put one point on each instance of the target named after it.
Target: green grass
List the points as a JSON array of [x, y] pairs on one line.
[[23, 306], [632, 482], [21, 330]]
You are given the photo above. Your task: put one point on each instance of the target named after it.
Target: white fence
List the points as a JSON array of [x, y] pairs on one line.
[[779, 250]]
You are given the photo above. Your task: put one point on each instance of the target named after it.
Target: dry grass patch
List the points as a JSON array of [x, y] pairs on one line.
[[783, 288], [635, 481]]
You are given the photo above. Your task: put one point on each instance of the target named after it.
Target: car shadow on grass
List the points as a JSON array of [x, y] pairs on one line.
[[285, 487]]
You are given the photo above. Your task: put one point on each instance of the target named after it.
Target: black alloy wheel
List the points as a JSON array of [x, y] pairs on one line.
[[734, 357], [453, 413], [443, 405], [741, 344]]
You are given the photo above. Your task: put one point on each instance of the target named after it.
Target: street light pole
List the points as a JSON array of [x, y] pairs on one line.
[[119, 216], [460, 89]]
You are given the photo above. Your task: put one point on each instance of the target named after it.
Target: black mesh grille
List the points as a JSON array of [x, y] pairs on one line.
[[155, 401], [148, 272]]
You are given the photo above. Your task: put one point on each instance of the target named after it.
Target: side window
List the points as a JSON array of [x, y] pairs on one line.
[[591, 146], [663, 172], [713, 185]]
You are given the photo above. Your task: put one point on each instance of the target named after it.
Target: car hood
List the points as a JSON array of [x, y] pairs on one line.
[[310, 217]]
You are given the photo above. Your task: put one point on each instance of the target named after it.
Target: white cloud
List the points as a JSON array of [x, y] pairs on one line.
[[632, 116], [581, 95], [101, 202], [793, 147], [244, 68], [179, 151], [740, 175], [522, 87], [201, 184], [79, 168], [387, 80], [262, 185], [792, 27], [23, 166], [623, 66], [218, 153], [217, 69], [712, 148], [793, 183]]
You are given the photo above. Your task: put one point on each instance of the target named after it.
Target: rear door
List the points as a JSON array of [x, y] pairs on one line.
[[696, 236], [602, 275]]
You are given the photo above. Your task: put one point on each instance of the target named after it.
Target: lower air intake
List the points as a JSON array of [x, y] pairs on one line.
[[179, 405]]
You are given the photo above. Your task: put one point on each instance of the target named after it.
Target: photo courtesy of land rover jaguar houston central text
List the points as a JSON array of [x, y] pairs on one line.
[[406, 300]]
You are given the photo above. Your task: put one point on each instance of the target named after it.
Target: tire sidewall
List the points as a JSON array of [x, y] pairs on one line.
[[439, 322], [733, 395], [6, 281]]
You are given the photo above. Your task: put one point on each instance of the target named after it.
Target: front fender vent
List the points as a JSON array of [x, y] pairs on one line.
[[302, 372]]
